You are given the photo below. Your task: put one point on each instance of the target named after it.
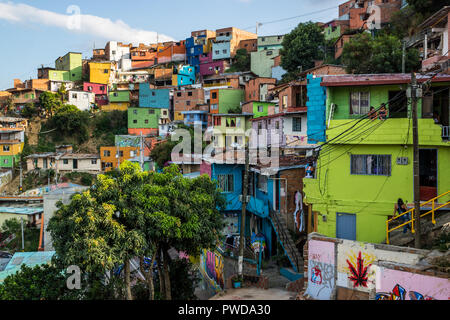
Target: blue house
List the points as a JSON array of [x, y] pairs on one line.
[[316, 116], [195, 118], [153, 98], [194, 48], [185, 75]]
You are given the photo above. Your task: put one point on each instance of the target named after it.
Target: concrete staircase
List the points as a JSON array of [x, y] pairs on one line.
[[285, 239], [398, 238]]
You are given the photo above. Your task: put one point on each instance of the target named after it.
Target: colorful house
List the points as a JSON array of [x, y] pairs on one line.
[[259, 108], [112, 157], [222, 100], [100, 72], [185, 75], [72, 63], [366, 165], [145, 120], [186, 99], [229, 130], [12, 138], [153, 98]]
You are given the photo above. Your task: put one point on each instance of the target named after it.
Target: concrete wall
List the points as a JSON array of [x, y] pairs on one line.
[[342, 269]]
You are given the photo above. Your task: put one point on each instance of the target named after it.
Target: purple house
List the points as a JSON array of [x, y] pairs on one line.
[[209, 67]]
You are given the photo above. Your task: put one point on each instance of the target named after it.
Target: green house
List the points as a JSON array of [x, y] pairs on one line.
[[119, 96], [366, 165], [259, 108], [72, 62], [143, 118]]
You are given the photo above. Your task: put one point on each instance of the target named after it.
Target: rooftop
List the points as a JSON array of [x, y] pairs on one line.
[[377, 79]]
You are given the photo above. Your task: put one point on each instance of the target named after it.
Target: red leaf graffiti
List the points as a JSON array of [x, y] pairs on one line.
[[359, 272]]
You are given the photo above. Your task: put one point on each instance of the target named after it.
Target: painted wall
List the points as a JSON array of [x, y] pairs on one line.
[[121, 106], [229, 98], [316, 109], [82, 100], [212, 269], [99, 72], [95, 88], [119, 96], [232, 198], [221, 50], [153, 98], [262, 62], [143, 117], [321, 270]]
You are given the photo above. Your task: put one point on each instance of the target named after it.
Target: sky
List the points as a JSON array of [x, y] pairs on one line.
[[36, 33]]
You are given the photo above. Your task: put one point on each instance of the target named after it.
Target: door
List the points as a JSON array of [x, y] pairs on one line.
[[75, 163], [44, 164], [428, 173], [346, 226]]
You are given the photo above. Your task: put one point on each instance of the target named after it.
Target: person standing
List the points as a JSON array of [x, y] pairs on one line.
[[401, 208]]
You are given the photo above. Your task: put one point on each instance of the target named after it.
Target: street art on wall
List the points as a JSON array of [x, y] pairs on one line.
[[321, 267], [359, 271], [212, 269], [401, 285], [231, 224]]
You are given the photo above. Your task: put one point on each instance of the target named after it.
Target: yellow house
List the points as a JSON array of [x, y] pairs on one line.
[[99, 72], [121, 106], [178, 116]]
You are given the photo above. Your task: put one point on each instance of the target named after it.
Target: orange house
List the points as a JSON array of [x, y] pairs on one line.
[[111, 156]]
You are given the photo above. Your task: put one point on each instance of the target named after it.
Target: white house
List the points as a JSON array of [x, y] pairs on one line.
[[81, 99]]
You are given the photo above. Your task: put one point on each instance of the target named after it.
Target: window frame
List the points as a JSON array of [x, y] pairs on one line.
[[381, 161]]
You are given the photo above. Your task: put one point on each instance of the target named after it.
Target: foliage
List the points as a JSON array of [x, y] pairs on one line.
[[241, 62], [30, 232], [136, 214], [302, 47], [161, 153], [49, 102], [83, 178], [29, 111], [42, 282], [236, 110], [70, 121], [427, 7], [382, 54]]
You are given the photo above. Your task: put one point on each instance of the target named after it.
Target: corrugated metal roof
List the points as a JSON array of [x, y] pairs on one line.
[[21, 210], [30, 259], [376, 79]]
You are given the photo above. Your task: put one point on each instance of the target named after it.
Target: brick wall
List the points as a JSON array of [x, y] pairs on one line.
[[294, 179]]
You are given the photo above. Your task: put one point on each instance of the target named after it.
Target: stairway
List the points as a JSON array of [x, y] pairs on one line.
[[285, 239]]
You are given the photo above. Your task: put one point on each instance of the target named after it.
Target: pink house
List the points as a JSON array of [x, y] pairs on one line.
[[215, 67], [97, 88]]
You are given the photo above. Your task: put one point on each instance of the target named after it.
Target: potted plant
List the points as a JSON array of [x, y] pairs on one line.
[[237, 282]]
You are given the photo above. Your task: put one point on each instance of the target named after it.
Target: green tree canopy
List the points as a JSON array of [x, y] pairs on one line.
[[382, 54], [241, 61], [302, 46], [49, 102]]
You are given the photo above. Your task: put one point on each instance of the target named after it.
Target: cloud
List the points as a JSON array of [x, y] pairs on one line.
[[76, 22]]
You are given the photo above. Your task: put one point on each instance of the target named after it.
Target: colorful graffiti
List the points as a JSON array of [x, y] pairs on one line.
[[399, 293], [358, 272], [212, 268], [321, 270]]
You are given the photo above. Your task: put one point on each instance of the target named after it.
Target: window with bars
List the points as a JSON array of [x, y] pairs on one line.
[[359, 103], [296, 124], [378, 165], [226, 182]]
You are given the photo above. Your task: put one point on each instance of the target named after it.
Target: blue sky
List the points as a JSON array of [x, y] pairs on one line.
[[35, 33]]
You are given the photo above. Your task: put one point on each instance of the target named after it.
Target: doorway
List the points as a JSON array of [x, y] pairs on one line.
[[75, 163], [398, 104], [428, 173], [346, 226]]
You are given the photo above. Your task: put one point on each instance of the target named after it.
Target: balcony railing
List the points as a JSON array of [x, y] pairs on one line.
[[446, 132]]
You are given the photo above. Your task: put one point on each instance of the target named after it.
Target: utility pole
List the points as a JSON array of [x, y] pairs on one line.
[[403, 56], [23, 242], [244, 209], [416, 167], [141, 152], [21, 179]]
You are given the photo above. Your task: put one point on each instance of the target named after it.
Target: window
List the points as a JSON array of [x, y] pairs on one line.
[[105, 70], [132, 154], [260, 108], [263, 39], [74, 95], [359, 103], [269, 53], [224, 51], [116, 94], [94, 161], [217, 121], [277, 125], [151, 111], [231, 122], [178, 94], [65, 161], [106, 153], [259, 128], [89, 88], [120, 154], [146, 121], [5, 161], [379, 165], [214, 107], [214, 95], [190, 94], [226, 182], [134, 111], [6, 148], [262, 183], [216, 141], [134, 121], [297, 124], [188, 103], [153, 93], [102, 88], [164, 112], [217, 51]]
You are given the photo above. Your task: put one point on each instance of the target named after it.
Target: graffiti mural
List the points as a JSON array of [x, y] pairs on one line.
[[399, 293], [358, 272], [321, 270], [212, 269]]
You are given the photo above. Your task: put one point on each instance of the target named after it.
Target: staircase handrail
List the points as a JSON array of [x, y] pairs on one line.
[[412, 210]]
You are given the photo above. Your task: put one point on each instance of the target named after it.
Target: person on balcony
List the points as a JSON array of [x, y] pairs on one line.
[[436, 118], [382, 113], [401, 208], [372, 113]]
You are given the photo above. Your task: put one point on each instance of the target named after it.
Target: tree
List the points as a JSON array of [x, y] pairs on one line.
[[62, 92], [241, 61], [427, 7], [49, 102], [302, 47], [161, 153], [382, 54], [41, 282], [137, 214], [70, 121], [29, 110]]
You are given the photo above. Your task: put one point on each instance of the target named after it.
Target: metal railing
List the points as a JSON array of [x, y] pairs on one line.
[[434, 207], [285, 240]]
